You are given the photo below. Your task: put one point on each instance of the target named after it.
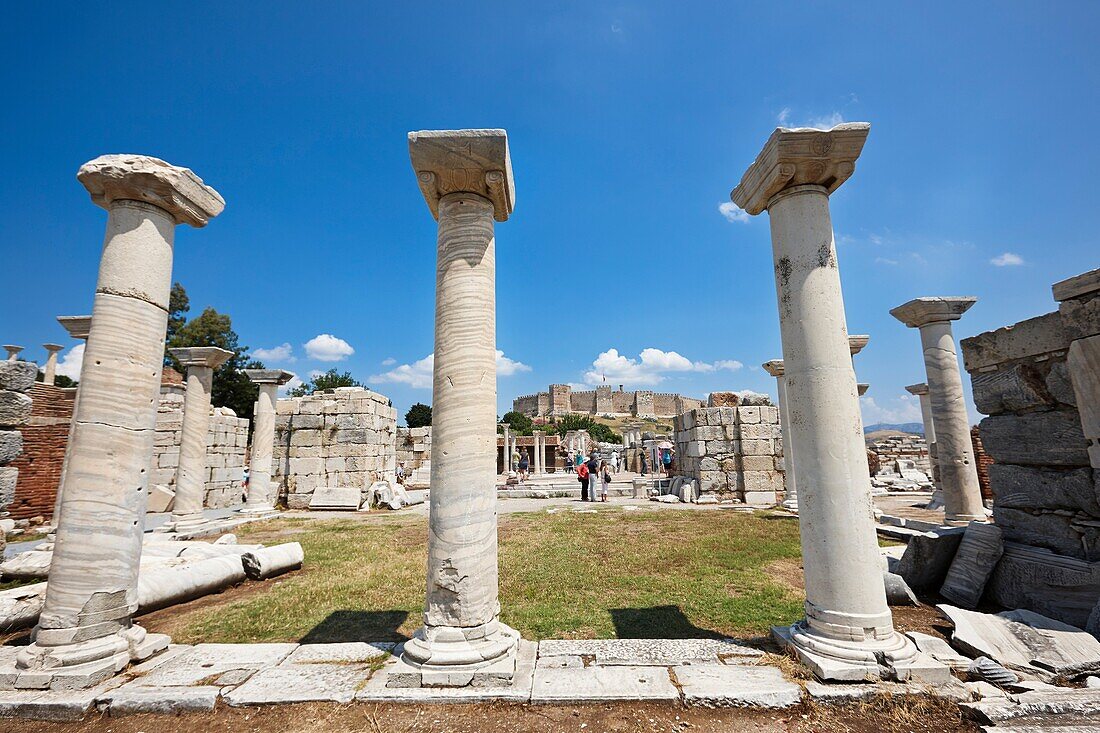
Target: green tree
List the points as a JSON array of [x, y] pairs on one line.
[[329, 380], [518, 422], [178, 305], [419, 416], [60, 380], [599, 432], [231, 388]]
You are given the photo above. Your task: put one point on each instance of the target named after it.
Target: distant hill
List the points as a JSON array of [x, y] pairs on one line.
[[907, 427]]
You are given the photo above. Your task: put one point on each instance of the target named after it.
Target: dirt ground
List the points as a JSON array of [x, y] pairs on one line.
[[916, 715]]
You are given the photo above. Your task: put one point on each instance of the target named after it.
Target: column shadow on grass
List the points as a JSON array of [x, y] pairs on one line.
[[657, 622], [345, 626]]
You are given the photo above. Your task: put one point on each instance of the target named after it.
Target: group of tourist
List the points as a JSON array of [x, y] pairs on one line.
[[592, 472]]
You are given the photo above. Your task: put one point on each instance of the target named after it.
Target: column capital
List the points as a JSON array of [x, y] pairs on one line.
[[269, 376], [464, 161], [176, 190], [800, 156], [857, 342], [13, 351], [917, 389], [53, 348], [774, 367], [78, 326], [201, 356], [922, 311]]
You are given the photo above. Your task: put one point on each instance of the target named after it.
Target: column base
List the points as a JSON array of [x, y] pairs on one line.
[[791, 504], [82, 664], [961, 520], [840, 660], [451, 656], [258, 510], [189, 525]]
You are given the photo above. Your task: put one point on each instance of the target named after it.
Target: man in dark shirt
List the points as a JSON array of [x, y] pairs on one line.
[[593, 474]]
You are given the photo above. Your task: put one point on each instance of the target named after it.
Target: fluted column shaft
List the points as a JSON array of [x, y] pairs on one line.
[[958, 470], [462, 541]]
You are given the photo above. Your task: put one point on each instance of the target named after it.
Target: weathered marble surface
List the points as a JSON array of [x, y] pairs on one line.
[[1050, 438], [1063, 588], [260, 498], [641, 652], [720, 685], [978, 553]]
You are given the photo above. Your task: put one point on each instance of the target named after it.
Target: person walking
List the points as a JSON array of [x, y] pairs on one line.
[[572, 465], [615, 460], [645, 466], [666, 459], [524, 464], [582, 476], [605, 475], [593, 474]]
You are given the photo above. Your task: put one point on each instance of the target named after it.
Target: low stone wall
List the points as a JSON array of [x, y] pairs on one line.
[[904, 448], [731, 451], [16, 379], [344, 437], [226, 445], [1038, 382]]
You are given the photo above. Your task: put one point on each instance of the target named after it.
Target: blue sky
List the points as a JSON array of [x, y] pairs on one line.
[[629, 123]]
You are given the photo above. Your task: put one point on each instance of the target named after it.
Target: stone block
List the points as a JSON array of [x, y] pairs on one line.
[[928, 556], [298, 501], [1032, 487], [301, 683], [310, 407], [1063, 588], [644, 652], [978, 553], [305, 437], [8, 478], [761, 430], [1080, 318], [133, 699], [749, 415], [1041, 438], [709, 432], [696, 449], [1056, 530], [1013, 388], [306, 422], [335, 498], [1034, 337], [762, 481], [15, 407], [1058, 384], [759, 498], [721, 685], [769, 415], [11, 445], [205, 661], [597, 684], [17, 376], [757, 447]]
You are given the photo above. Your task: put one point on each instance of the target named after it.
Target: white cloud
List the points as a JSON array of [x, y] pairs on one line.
[[1008, 259], [507, 367], [389, 361], [784, 116], [69, 364], [326, 347], [885, 261], [283, 353], [649, 368], [901, 409], [826, 122], [294, 382], [733, 212], [418, 375]]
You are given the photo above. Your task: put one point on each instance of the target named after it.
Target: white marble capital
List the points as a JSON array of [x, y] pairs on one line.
[[77, 327], [464, 161], [13, 351]]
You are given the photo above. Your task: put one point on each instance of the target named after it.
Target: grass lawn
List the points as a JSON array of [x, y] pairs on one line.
[[662, 574]]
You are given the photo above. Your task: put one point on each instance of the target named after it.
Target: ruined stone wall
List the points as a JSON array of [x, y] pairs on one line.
[[731, 451], [984, 462], [622, 402], [414, 447], [45, 437], [226, 444], [344, 437], [906, 448], [16, 379], [1038, 383], [561, 399], [526, 405]]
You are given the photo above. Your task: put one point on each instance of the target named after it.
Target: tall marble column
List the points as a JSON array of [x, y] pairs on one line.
[[507, 453], [537, 452], [466, 179], [775, 368], [958, 470], [78, 328], [49, 372], [848, 631], [260, 499], [921, 392], [85, 632], [13, 351], [200, 363]]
